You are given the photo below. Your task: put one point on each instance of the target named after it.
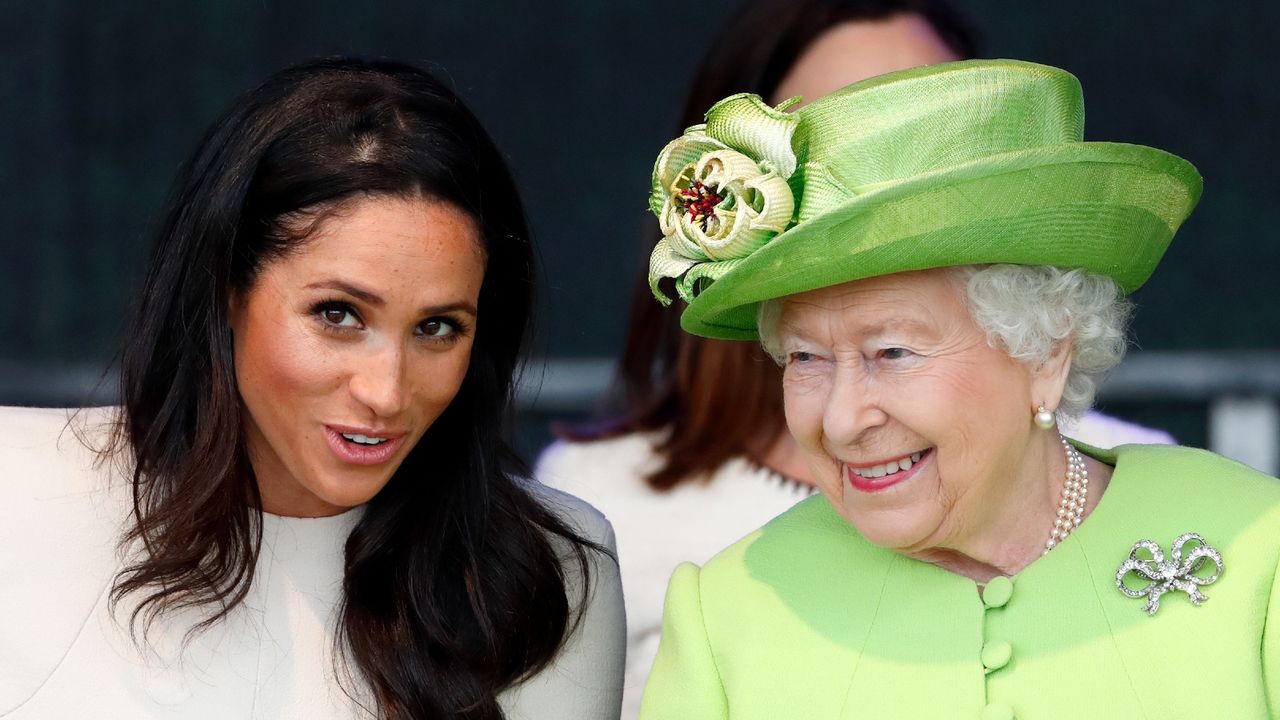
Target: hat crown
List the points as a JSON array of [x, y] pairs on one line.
[[975, 162], [889, 129]]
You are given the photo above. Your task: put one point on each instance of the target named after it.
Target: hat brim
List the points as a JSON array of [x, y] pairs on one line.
[[1110, 208]]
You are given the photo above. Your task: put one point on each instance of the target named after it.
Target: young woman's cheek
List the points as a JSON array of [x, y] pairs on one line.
[[437, 375], [287, 360]]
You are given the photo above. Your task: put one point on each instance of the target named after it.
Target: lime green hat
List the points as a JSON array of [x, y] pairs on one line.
[[963, 163]]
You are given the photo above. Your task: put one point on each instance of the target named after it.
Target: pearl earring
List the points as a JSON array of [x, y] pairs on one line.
[[1044, 418]]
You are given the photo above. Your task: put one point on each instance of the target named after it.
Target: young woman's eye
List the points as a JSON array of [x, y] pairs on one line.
[[439, 328], [338, 315]]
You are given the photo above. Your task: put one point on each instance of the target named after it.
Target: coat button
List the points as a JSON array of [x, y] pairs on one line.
[[997, 711], [996, 654], [997, 592]]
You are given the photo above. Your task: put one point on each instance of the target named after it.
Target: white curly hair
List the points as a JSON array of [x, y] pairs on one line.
[[1027, 310]]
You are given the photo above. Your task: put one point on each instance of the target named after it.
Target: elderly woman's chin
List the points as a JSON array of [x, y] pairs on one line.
[[899, 513]]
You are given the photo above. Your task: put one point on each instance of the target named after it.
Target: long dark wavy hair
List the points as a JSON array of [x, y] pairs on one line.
[[714, 400], [453, 587]]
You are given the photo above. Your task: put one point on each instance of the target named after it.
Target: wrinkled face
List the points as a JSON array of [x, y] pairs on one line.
[[348, 348], [857, 50], [915, 429]]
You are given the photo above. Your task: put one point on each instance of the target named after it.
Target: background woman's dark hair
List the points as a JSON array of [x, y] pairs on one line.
[[713, 399], [452, 589]]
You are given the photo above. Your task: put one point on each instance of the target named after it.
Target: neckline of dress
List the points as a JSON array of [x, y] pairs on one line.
[[312, 529]]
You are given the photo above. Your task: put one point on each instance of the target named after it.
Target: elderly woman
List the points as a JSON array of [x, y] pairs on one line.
[[683, 445], [939, 262]]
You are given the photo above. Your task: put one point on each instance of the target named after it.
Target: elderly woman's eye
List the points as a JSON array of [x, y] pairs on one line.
[[799, 357], [895, 353]]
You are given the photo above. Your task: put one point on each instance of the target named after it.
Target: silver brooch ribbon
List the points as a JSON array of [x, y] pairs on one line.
[[1176, 573]]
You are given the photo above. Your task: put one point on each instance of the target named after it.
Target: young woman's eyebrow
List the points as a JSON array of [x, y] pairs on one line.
[[376, 300]]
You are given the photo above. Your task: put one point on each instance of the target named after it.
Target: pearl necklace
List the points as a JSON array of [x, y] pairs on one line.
[[1074, 493]]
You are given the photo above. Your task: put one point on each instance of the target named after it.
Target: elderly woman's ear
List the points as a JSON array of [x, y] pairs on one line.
[[1049, 378]]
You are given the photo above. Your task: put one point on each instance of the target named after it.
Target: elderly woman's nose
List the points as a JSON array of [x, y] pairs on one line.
[[851, 408], [379, 381]]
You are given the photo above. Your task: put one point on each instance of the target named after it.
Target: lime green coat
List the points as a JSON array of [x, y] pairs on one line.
[[806, 619]]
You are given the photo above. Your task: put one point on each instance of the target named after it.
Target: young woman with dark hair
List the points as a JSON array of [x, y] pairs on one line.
[[700, 455], [304, 506]]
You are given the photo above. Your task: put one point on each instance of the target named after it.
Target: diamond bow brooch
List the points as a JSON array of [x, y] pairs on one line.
[[1189, 555]]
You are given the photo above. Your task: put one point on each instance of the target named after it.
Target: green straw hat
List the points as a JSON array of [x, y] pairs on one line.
[[971, 162]]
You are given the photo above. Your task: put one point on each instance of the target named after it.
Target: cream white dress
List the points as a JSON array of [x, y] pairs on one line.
[[65, 654]]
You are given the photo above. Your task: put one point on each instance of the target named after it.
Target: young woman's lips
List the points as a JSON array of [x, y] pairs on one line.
[[870, 485], [357, 453]]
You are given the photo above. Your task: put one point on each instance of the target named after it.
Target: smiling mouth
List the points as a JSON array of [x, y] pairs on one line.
[[878, 471], [870, 478]]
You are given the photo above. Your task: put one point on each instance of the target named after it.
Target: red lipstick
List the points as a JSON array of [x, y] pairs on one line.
[[870, 485]]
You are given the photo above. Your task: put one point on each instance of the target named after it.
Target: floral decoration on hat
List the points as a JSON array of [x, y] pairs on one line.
[[720, 191]]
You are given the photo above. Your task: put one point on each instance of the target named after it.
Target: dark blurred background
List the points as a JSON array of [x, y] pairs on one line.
[[101, 102]]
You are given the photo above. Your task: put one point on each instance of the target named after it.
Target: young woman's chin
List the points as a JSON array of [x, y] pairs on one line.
[[350, 475], [346, 488], [330, 490]]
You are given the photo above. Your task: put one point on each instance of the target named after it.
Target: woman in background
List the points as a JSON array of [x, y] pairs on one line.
[[701, 455], [305, 507]]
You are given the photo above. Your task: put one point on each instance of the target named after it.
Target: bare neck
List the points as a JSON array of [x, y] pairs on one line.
[[1015, 539]]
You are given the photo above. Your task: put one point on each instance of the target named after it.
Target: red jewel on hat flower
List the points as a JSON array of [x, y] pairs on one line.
[[700, 202], [720, 192]]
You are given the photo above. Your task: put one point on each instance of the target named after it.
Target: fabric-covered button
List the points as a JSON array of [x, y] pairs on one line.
[[996, 654], [997, 711], [997, 592]]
